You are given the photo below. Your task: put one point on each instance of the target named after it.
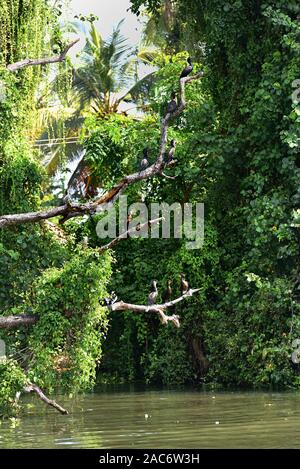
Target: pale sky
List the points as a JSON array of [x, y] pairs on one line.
[[110, 12]]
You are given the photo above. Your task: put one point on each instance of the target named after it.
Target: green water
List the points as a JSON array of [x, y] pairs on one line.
[[160, 419]]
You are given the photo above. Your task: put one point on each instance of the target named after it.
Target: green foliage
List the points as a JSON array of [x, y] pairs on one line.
[[166, 363], [13, 380], [65, 346], [66, 342], [238, 151], [23, 256], [21, 180], [24, 26], [151, 5], [40, 273], [22, 253], [248, 333], [113, 146]]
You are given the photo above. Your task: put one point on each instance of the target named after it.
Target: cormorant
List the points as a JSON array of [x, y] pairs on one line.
[[171, 154], [172, 106], [184, 284], [154, 294], [145, 161], [109, 301], [188, 69], [129, 219], [168, 292]]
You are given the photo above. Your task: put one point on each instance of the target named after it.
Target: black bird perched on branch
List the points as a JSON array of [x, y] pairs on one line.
[[171, 154], [145, 161], [109, 301], [172, 106], [154, 294], [168, 292], [184, 284], [188, 69]]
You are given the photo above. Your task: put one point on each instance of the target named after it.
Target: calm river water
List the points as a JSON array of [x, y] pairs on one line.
[[160, 419]]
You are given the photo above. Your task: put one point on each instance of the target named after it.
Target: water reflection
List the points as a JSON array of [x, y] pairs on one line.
[[160, 419]]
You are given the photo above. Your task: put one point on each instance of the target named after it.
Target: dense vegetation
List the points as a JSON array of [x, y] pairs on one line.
[[250, 180], [41, 273], [238, 152]]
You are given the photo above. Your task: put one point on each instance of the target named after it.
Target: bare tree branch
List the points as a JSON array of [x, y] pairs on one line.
[[34, 388], [47, 60], [68, 210], [127, 233], [13, 322], [71, 210], [158, 309]]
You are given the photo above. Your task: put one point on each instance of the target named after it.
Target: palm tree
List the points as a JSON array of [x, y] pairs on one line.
[[106, 76], [108, 69]]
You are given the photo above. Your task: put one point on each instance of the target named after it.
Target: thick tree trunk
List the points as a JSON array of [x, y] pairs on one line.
[[199, 356]]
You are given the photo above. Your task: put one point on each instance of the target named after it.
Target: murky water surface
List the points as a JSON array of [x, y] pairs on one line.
[[160, 419]]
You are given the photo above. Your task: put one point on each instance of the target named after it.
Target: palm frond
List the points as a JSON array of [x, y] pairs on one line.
[[140, 89], [108, 67]]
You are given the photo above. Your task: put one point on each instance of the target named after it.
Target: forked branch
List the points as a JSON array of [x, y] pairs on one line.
[[156, 308]]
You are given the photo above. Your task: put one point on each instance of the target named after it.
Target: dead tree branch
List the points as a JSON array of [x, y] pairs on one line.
[[127, 233], [47, 60], [67, 211], [72, 209], [34, 388], [13, 322], [157, 309]]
